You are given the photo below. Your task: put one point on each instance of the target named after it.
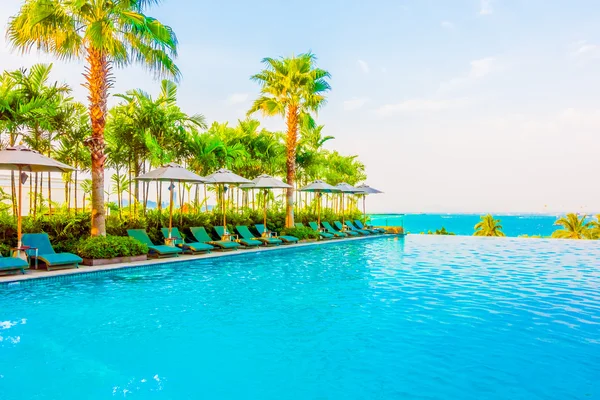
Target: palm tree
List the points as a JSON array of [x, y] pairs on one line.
[[104, 33], [574, 227], [293, 88], [488, 227], [595, 228]]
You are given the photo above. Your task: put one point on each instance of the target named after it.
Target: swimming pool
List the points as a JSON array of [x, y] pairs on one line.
[[418, 318]]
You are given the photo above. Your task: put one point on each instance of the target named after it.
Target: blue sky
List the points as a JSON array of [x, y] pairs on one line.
[[454, 106]]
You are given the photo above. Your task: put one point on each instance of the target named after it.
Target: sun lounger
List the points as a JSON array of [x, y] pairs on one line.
[[329, 229], [286, 239], [12, 265], [179, 241], [200, 235], [363, 232], [360, 225], [158, 251], [322, 234], [247, 243], [338, 225], [247, 235], [46, 253]]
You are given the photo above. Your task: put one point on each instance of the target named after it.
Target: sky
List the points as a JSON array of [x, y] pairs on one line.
[[453, 106]]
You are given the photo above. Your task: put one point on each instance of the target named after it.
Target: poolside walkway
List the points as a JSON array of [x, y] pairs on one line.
[[43, 274]]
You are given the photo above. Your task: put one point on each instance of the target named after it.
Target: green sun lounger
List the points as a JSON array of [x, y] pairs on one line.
[[46, 254], [12, 265], [247, 243], [154, 250], [191, 248], [338, 225], [286, 239], [322, 234], [199, 233], [299, 225], [353, 228], [329, 229], [247, 235], [360, 225]]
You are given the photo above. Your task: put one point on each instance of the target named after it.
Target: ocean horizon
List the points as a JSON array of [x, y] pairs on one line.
[[513, 224]]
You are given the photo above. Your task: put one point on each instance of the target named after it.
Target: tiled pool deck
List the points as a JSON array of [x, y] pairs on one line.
[[43, 274]]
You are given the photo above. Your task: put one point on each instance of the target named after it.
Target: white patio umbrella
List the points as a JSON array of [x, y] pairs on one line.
[[364, 191], [346, 188], [266, 182], [225, 177], [319, 187], [22, 159], [171, 173]]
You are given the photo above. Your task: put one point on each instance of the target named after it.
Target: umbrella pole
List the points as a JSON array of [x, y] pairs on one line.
[[364, 210], [265, 218], [172, 189], [224, 212], [19, 243], [319, 210]]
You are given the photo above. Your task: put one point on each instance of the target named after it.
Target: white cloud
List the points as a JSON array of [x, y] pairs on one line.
[[237, 98], [420, 105], [363, 66], [355, 103], [583, 50], [486, 7], [482, 67], [447, 25], [478, 69]]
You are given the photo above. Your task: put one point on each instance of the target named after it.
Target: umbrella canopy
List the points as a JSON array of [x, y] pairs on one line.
[[225, 176], [265, 182], [171, 173], [21, 158], [366, 189], [347, 188], [319, 186]]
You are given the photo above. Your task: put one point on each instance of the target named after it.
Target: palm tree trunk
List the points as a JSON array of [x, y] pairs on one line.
[[97, 78], [13, 190], [291, 144], [35, 196], [75, 187]]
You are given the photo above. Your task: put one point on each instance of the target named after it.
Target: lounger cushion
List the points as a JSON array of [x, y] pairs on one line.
[[250, 242], [162, 249], [12, 263], [197, 246], [60, 259], [286, 238]]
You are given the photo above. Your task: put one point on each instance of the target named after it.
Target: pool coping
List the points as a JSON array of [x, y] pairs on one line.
[[41, 275]]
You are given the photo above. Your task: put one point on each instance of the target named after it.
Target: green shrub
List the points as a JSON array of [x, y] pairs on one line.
[[110, 247], [301, 233], [4, 249]]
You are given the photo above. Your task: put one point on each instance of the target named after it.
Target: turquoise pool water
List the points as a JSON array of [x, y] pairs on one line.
[[416, 318]]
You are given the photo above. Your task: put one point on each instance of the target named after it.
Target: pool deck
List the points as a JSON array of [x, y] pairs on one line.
[[43, 274]]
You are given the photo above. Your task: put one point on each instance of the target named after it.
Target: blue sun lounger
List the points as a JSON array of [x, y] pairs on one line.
[[179, 241], [369, 228], [154, 250], [286, 239], [46, 253], [244, 242], [364, 232], [200, 234], [338, 225], [329, 229], [12, 265]]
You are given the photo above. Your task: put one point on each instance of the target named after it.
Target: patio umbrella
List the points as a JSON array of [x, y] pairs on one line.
[[346, 188], [364, 191], [319, 187], [266, 182], [171, 173], [22, 159], [225, 177]]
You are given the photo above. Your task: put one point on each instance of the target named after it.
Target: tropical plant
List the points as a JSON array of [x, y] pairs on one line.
[[574, 227], [293, 88], [595, 228], [488, 226], [104, 33]]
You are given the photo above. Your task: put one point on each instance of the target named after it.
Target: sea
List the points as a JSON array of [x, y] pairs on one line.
[[464, 224]]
